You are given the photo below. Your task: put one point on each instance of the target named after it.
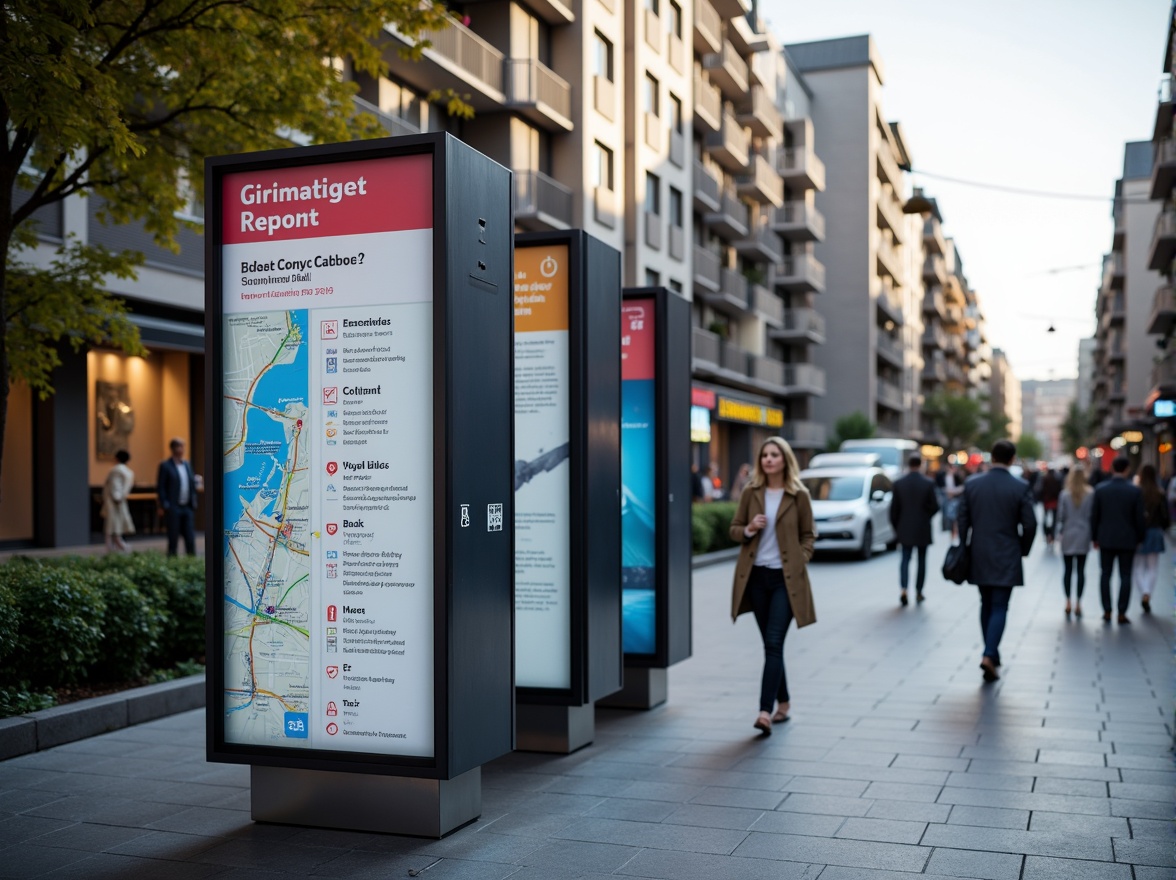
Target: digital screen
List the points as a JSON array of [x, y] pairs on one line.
[[327, 449], [1165, 409], [638, 478], [700, 424]]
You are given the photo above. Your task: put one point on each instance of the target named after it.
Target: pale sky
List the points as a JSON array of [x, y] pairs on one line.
[[1034, 94]]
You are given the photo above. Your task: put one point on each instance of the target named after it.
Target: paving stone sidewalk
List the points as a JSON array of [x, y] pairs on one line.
[[898, 762]]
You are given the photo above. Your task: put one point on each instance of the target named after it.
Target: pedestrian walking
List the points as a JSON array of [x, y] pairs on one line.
[[1074, 508], [953, 488], [740, 481], [774, 525], [912, 507], [1156, 521], [176, 487], [116, 514], [996, 519], [1117, 527], [1051, 489]]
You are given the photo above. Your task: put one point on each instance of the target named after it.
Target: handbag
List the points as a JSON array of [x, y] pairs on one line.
[[957, 564]]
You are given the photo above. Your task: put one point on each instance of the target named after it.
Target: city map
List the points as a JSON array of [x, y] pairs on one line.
[[267, 528]]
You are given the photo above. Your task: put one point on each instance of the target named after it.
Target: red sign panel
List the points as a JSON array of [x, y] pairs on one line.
[[637, 340]]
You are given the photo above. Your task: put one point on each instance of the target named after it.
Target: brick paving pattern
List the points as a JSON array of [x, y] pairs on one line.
[[898, 762]]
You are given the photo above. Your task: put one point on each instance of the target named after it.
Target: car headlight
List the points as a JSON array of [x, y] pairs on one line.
[[844, 517]]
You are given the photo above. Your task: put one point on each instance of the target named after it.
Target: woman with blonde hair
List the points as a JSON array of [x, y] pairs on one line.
[[1156, 519], [1073, 525], [774, 525]]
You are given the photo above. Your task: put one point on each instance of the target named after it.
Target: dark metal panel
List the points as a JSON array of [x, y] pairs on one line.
[[62, 498], [479, 457], [134, 236]]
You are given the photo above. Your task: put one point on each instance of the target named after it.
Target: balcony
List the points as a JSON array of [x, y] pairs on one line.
[[767, 305], [707, 270], [888, 261], [732, 219], [800, 168], [934, 370], [1164, 169], [799, 221], [708, 28], [763, 184], [1164, 107], [804, 379], [802, 434], [606, 207], [1163, 245], [705, 346], [732, 8], [888, 170], [761, 244], [1117, 392], [1116, 270], [1114, 312], [653, 131], [1120, 224], [457, 59], [934, 303], [934, 270], [1163, 312], [767, 372], [802, 272], [733, 360], [1115, 352], [535, 92], [889, 304], [758, 112], [890, 395], [731, 295], [708, 188], [604, 97], [933, 239], [708, 104], [541, 203], [677, 243], [1164, 372], [654, 224], [934, 337], [727, 70], [653, 30], [803, 326], [730, 145], [394, 125], [889, 211], [955, 373], [890, 350]]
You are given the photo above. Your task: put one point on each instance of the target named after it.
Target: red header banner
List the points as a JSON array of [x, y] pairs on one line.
[[637, 339]]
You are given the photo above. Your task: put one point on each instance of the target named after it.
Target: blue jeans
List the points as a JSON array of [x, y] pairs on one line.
[[904, 565], [773, 614], [994, 608]]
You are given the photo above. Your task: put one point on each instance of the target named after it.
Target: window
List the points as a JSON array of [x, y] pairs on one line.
[[675, 20], [652, 279], [675, 113], [652, 96], [602, 167], [602, 61], [652, 193], [653, 6], [675, 285], [676, 215]]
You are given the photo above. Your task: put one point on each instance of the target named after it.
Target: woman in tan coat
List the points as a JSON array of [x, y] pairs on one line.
[[770, 578]]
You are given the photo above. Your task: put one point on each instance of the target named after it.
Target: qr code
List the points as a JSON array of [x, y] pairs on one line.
[[494, 517]]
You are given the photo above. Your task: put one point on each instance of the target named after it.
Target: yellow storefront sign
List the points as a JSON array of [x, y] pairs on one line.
[[750, 413]]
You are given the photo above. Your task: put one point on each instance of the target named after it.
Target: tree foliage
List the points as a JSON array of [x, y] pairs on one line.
[[958, 417], [1029, 447], [1078, 427], [855, 426], [122, 100]]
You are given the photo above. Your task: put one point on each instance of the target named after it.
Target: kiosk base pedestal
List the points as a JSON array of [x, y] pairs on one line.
[[360, 802], [556, 729], [644, 688]]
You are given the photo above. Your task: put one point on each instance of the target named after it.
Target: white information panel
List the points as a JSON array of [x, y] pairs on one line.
[[542, 469], [328, 464]]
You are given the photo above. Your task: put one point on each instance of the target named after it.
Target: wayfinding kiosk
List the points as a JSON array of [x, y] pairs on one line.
[[655, 503], [567, 295], [360, 606]]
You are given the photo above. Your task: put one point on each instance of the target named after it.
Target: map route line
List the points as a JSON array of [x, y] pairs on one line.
[[290, 326], [269, 617]]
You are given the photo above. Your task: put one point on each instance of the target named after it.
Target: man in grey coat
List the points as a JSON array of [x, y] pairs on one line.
[[996, 517], [912, 506]]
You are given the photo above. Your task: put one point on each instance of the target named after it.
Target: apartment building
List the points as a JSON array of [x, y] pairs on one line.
[[1125, 353], [1086, 361], [871, 358], [1044, 406], [1004, 393]]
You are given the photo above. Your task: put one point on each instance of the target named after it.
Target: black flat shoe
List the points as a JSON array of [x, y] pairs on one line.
[[920, 597], [902, 599], [989, 669], [1145, 601]]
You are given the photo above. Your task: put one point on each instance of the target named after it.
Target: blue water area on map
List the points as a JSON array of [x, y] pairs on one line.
[[267, 447], [638, 516]]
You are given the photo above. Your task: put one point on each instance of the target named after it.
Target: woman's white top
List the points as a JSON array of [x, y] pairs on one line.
[[767, 553]]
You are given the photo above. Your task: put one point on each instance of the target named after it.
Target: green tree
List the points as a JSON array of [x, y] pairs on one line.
[[996, 427], [958, 417], [1077, 427], [122, 100], [1029, 447], [855, 426]]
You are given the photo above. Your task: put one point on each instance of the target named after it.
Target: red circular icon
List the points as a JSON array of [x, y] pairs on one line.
[[332, 728], [299, 423]]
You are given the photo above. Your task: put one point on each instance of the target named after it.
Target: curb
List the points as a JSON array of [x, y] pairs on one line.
[[704, 559], [64, 724]]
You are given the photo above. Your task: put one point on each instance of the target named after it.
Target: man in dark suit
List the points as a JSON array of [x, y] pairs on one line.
[[176, 486], [912, 505], [996, 515], [1117, 528]]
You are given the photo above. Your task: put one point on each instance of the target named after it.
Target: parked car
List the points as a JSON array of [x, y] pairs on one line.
[[851, 508], [894, 453], [844, 459]]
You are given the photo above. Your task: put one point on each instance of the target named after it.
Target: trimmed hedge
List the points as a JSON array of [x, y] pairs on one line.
[[105, 619], [710, 524]]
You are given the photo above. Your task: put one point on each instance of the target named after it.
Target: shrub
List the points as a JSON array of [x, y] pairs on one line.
[[711, 523], [187, 608], [9, 621], [131, 630], [702, 535], [61, 618]]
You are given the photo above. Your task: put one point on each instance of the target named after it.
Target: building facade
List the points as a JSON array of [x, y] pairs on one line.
[[1044, 405], [1004, 393]]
